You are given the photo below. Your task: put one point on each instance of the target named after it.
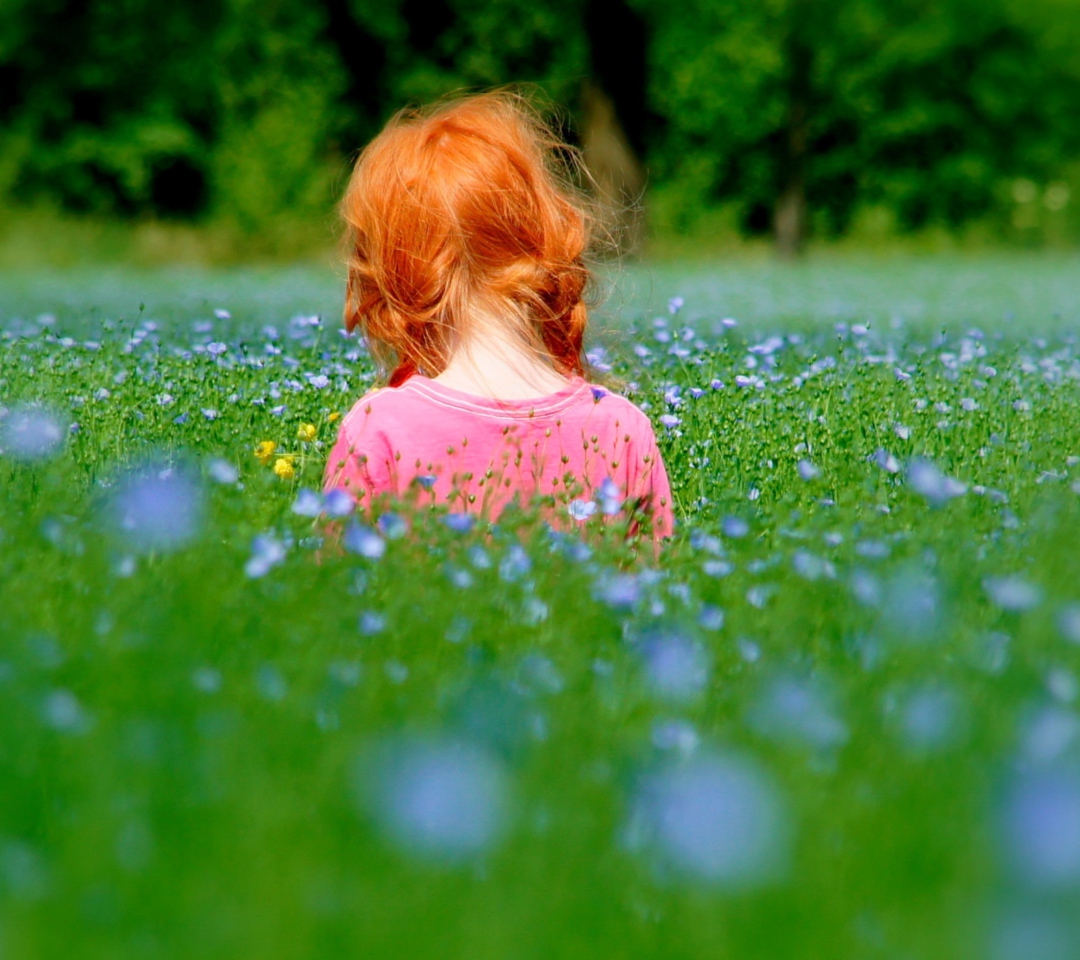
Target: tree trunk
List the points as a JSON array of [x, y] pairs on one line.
[[614, 114], [615, 169], [790, 216]]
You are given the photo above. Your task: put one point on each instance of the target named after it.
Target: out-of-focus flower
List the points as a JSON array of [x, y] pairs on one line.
[[913, 605], [32, 433], [436, 799], [361, 539], [284, 468], [338, 503], [1069, 622], [336, 415], [718, 818], [799, 712], [926, 479], [306, 432], [1041, 829], [266, 553], [734, 527], [611, 500], [886, 461], [157, 509], [515, 563], [62, 711], [392, 526], [1012, 593], [930, 718], [459, 522], [221, 471], [618, 591], [308, 504], [264, 452], [372, 622], [676, 667], [679, 736]]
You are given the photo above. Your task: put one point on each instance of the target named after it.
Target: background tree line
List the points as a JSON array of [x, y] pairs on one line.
[[794, 117]]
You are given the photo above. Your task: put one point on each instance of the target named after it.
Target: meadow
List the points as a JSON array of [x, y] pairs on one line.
[[837, 717]]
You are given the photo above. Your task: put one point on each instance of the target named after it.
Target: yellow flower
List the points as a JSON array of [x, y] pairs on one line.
[[264, 451], [306, 432], [283, 468], [334, 416]]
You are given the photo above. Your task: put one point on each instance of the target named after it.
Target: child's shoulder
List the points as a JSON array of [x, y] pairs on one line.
[[380, 404], [622, 409]]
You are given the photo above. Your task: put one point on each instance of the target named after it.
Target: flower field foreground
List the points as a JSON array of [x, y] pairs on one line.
[[837, 718]]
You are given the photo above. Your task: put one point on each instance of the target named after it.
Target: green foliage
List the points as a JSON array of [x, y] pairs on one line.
[[190, 751], [906, 113], [924, 108]]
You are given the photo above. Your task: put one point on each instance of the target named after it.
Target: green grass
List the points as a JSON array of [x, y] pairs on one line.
[[837, 719]]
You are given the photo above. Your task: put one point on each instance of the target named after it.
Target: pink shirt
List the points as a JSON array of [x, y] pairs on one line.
[[477, 454]]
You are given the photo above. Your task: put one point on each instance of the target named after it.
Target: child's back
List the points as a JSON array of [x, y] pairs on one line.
[[477, 454], [466, 276]]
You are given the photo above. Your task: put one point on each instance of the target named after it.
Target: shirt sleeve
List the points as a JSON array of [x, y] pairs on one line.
[[360, 462]]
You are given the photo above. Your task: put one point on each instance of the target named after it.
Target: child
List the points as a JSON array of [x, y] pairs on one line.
[[466, 277]]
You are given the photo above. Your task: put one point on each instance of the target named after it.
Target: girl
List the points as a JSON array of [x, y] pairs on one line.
[[466, 277]]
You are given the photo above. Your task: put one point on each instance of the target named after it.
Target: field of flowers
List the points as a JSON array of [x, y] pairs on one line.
[[838, 717]]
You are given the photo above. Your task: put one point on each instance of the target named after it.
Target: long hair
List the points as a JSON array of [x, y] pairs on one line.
[[461, 211]]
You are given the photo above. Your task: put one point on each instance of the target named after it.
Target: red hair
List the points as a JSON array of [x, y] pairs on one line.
[[461, 211]]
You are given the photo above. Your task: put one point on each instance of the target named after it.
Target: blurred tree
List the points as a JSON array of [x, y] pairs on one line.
[[280, 88], [96, 115], [794, 114], [801, 111]]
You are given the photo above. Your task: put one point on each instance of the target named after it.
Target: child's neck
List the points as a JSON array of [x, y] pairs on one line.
[[501, 369]]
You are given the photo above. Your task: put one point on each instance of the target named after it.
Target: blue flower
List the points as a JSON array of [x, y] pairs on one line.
[[158, 509], [610, 497], [308, 504], [515, 564], [459, 522], [582, 509], [32, 433], [734, 527], [266, 553], [392, 526], [222, 471], [363, 540], [338, 503], [372, 622], [670, 421]]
